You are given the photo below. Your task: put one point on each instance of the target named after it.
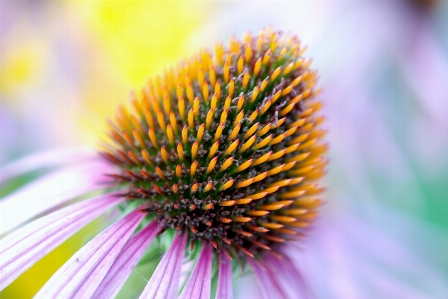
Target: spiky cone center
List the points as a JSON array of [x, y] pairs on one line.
[[226, 146]]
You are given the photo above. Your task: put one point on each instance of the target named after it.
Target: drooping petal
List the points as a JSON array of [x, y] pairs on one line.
[[80, 276], [225, 288], [355, 256], [288, 277], [48, 192], [164, 283], [126, 262], [267, 283], [198, 284], [43, 159], [23, 248]]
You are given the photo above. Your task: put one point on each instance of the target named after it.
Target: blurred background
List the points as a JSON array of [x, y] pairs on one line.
[[383, 233]]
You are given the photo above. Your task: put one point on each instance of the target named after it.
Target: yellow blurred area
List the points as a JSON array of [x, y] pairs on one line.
[[18, 69], [21, 61], [91, 54], [141, 37], [132, 40]]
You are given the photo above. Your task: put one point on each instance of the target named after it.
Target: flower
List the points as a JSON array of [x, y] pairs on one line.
[[219, 160]]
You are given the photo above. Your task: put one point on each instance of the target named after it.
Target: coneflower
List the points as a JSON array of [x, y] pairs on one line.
[[221, 154]]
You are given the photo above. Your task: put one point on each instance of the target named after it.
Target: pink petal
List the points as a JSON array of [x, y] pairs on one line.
[[198, 284], [23, 248], [126, 262], [49, 158], [225, 289], [48, 192], [266, 281], [80, 276], [164, 282], [288, 277], [351, 257]]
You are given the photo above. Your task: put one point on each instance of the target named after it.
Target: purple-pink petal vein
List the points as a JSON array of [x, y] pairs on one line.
[[23, 248], [80, 276], [198, 284], [164, 283], [126, 262]]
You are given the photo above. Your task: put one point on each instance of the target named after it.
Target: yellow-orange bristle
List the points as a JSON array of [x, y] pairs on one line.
[[153, 137], [228, 203], [231, 147], [227, 102], [238, 118], [257, 213], [219, 131], [161, 120], [146, 157], [287, 109], [262, 159], [243, 201], [234, 132], [190, 93], [191, 118], [265, 108], [173, 122], [264, 142], [240, 64], [275, 74], [181, 107], [246, 79], [248, 53], [227, 185], [257, 228], [134, 158], [138, 138], [160, 173], [251, 131], [211, 165], [224, 220], [214, 101], [254, 94], [213, 149], [180, 151], [170, 134], [247, 144], [200, 132], [193, 168], [185, 135], [226, 164], [242, 219], [270, 225], [165, 155], [264, 84], [194, 149], [259, 195], [276, 96], [223, 116], [244, 183], [244, 166]]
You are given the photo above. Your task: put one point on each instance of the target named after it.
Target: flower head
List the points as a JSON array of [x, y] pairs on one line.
[[221, 153]]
